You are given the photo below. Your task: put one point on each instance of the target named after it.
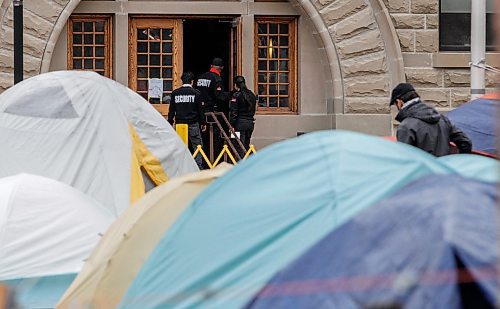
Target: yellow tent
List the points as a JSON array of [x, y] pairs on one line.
[[119, 256]]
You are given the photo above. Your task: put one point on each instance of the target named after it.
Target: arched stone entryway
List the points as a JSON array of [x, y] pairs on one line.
[[361, 45]]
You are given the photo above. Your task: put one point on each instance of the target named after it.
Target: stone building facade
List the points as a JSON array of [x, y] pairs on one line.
[[349, 54]]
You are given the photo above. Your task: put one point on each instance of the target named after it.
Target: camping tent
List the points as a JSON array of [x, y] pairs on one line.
[[473, 166], [47, 229], [266, 212], [433, 244], [89, 132], [121, 253], [477, 119]]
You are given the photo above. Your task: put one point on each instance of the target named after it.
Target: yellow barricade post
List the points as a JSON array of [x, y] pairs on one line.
[[182, 130], [225, 150], [250, 151], [199, 150]]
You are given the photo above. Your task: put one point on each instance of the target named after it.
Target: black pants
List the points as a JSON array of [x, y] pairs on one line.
[[246, 129]]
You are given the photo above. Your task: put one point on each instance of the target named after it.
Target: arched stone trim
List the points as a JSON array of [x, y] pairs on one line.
[[391, 41], [56, 32], [363, 57], [39, 20], [335, 90]]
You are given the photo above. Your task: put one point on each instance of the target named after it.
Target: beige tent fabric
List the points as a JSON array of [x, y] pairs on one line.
[[118, 257]]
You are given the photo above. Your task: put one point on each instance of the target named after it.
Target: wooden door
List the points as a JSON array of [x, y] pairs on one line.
[[155, 50]]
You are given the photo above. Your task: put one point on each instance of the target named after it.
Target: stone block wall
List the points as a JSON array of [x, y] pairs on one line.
[[362, 55], [39, 18], [417, 25]]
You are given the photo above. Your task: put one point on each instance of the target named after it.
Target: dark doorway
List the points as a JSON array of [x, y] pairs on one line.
[[205, 39]]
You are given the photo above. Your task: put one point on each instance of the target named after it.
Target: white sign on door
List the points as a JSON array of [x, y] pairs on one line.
[[155, 88]]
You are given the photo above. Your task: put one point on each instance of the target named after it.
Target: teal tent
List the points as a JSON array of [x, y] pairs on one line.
[[473, 166], [266, 212]]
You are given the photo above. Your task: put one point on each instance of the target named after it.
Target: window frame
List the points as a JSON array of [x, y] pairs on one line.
[[461, 48], [293, 57], [108, 40]]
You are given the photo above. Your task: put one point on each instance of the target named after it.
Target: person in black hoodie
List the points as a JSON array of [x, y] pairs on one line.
[[186, 108], [423, 127], [242, 112]]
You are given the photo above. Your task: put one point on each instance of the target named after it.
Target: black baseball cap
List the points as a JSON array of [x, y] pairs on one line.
[[399, 91], [218, 62]]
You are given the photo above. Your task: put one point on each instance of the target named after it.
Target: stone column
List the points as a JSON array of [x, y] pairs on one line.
[[247, 52], [120, 50]]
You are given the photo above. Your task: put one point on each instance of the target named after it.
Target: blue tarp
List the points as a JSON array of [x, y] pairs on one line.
[[266, 212], [403, 250], [40, 292], [477, 120]]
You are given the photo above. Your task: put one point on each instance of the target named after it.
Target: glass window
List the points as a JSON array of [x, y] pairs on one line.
[[89, 46], [455, 25], [275, 60]]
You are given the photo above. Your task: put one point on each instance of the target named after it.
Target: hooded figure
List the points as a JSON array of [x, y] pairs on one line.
[[423, 127]]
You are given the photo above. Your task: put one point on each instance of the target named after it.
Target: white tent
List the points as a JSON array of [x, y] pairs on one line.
[[89, 132], [46, 228]]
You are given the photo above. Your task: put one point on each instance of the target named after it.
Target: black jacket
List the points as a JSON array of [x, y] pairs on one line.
[[241, 113], [423, 127], [212, 92], [185, 106]]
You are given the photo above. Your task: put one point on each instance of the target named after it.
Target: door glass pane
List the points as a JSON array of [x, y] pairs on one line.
[[77, 51], [154, 59], [88, 51], [88, 26], [142, 34], [99, 38], [154, 34], [167, 60], [166, 34], [262, 28], [77, 27], [77, 64], [142, 85], [142, 47], [167, 85], [142, 59], [167, 73], [154, 47], [88, 64], [88, 39], [167, 47], [99, 64], [154, 73], [77, 39], [99, 51], [99, 26], [142, 72]]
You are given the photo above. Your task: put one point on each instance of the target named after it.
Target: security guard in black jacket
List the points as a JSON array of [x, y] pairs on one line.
[[186, 108], [242, 112], [211, 87]]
